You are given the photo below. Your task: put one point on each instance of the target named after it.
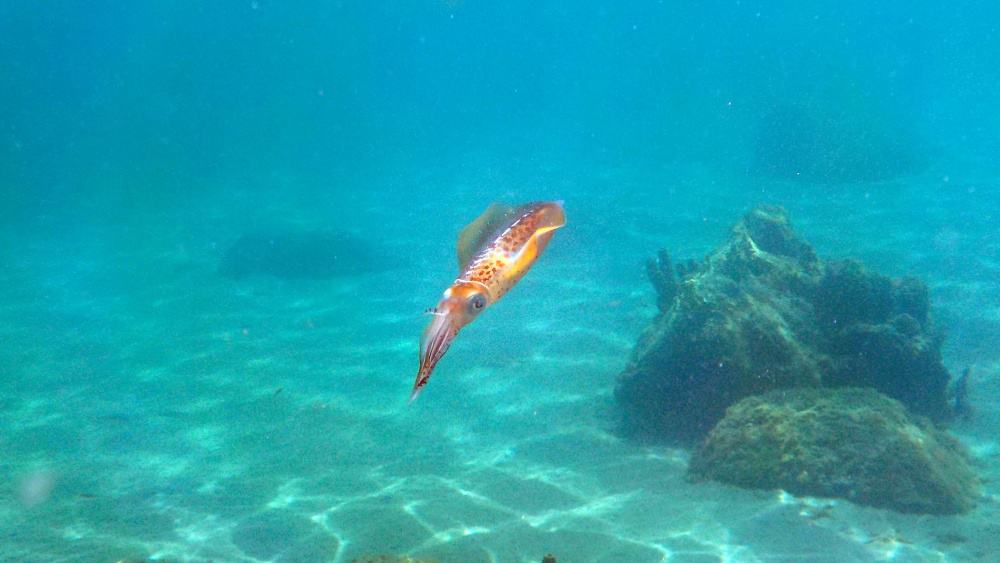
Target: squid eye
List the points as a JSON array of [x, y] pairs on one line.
[[476, 303]]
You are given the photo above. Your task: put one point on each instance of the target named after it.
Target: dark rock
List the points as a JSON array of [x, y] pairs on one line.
[[879, 333], [291, 254], [847, 294], [910, 296], [850, 443], [764, 312], [905, 366], [661, 275]]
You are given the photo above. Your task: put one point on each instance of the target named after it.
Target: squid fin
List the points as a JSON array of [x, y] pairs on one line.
[[480, 232]]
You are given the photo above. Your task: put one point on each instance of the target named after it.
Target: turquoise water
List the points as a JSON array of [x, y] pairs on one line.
[[153, 408]]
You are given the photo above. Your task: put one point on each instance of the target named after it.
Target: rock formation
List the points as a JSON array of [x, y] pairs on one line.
[[763, 312], [851, 443]]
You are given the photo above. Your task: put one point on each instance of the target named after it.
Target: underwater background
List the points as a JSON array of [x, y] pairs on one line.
[[169, 390]]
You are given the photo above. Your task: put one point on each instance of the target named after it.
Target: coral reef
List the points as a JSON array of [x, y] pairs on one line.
[[959, 395], [763, 312], [851, 443], [293, 254]]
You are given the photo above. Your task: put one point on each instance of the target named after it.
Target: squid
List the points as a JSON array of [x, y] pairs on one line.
[[494, 253]]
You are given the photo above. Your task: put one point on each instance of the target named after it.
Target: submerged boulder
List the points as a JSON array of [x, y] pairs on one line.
[[849, 443], [295, 254], [763, 312]]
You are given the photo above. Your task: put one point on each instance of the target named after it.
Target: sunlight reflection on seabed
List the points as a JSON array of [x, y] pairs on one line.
[[220, 228]]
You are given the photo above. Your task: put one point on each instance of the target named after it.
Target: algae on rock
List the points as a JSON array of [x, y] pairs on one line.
[[763, 312], [851, 443]]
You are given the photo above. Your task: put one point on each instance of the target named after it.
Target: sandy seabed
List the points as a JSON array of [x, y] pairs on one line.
[[154, 409]]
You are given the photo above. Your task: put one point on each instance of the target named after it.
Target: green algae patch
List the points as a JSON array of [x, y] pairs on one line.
[[849, 443]]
